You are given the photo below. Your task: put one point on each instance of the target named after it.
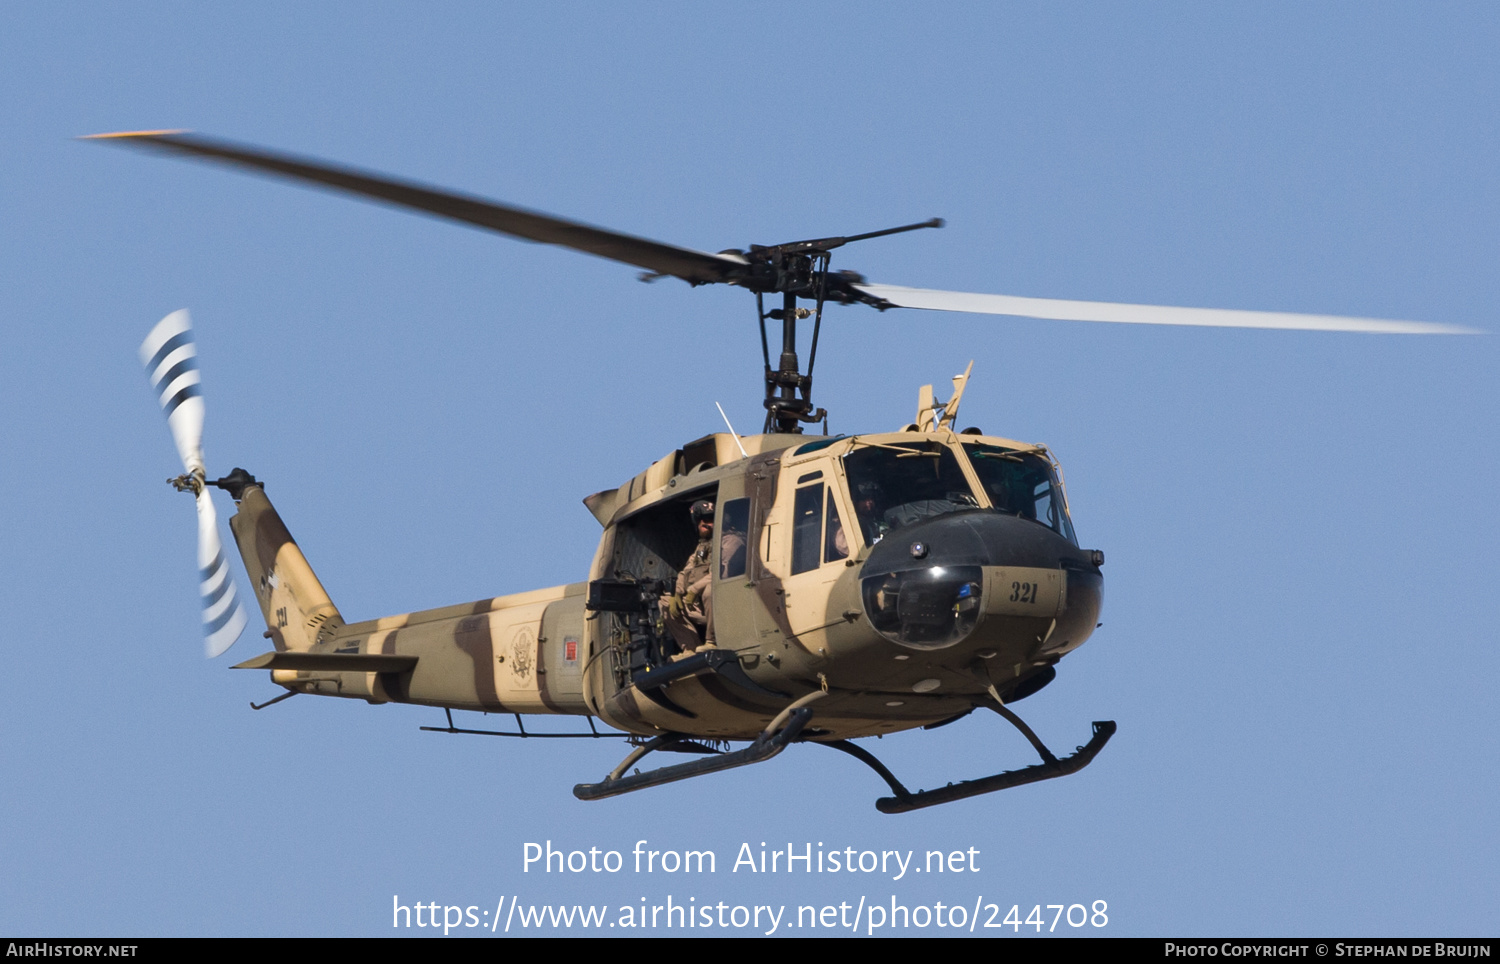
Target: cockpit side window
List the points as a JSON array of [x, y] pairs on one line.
[[1022, 484], [835, 542], [893, 486], [817, 531], [807, 527]]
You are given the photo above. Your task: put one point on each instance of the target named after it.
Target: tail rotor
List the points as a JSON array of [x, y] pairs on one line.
[[171, 361]]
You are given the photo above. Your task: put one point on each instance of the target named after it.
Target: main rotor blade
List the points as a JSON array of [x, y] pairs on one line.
[[1054, 309], [695, 267]]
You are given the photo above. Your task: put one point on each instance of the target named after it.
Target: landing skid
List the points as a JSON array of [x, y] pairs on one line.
[[784, 729], [787, 728], [1051, 767]]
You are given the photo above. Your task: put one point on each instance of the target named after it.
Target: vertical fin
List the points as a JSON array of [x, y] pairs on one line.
[[295, 604]]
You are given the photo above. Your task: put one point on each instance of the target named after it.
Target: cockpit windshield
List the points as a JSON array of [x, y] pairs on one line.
[[896, 485], [1021, 484]]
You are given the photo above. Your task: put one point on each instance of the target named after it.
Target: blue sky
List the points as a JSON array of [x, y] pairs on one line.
[[1299, 527]]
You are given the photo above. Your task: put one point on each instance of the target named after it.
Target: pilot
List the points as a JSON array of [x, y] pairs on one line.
[[867, 498], [691, 605]]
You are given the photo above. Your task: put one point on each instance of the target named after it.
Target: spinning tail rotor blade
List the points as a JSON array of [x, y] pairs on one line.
[[1054, 309], [171, 361], [223, 616]]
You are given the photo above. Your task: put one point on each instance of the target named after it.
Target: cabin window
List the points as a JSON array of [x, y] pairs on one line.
[[734, 522]]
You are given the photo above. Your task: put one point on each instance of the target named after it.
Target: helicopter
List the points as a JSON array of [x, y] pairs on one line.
[[773, 589]]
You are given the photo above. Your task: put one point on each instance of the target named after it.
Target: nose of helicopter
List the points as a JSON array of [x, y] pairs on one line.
[[924, 586]]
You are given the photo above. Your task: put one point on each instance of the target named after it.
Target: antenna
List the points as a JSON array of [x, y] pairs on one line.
[[950, 410], [731, 430]]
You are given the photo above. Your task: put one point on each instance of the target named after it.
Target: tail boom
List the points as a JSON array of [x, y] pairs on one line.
[[523, 653]]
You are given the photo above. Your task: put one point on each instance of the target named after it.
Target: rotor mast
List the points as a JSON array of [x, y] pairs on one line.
[[785, 411], [799, 270]]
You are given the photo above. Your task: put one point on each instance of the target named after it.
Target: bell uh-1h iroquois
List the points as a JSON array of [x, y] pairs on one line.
[[851, 586]]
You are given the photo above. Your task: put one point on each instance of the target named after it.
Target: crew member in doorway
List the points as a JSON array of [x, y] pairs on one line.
[[690, 608]]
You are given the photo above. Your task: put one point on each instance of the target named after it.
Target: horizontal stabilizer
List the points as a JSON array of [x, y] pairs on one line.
[[331, 662]]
